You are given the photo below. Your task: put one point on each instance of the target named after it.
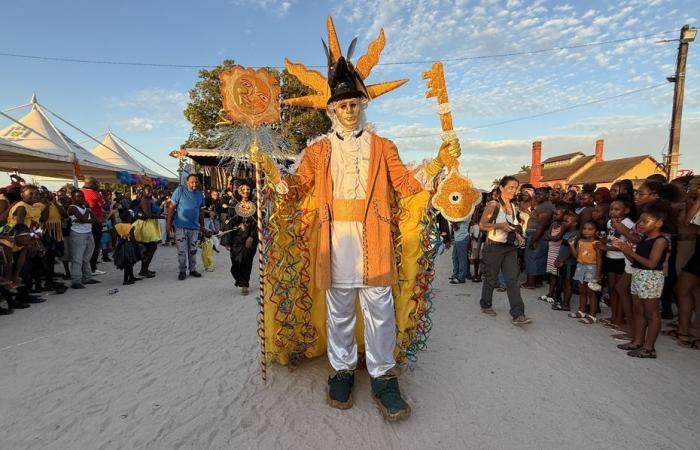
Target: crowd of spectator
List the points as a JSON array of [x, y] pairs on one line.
[[81, 228], [634, 250]]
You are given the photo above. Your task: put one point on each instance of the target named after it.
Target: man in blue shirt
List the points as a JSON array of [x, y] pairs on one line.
[[186, 204]]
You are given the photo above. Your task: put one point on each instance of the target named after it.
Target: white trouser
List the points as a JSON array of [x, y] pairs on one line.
[[377, 304]]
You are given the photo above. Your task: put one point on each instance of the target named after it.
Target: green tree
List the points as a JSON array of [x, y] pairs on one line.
[[202, 111], [524, 168]]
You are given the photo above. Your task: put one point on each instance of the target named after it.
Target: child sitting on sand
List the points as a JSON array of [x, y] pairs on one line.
[[13, 243]]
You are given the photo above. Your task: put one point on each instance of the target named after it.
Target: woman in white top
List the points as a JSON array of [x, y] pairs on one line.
[[82, 243], [504, 233]]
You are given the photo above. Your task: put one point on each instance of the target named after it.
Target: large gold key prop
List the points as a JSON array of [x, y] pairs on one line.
[[455, 197]]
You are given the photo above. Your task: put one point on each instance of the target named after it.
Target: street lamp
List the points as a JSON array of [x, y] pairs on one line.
[[688, 35]]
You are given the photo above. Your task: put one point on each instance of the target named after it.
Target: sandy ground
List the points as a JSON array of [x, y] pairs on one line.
[[173, 364]]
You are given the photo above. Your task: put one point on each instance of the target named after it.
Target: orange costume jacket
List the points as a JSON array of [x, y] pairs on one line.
[[387, 174]]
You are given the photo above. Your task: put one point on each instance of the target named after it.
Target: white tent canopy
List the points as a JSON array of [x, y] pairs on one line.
[[40, 148], [35, 146], [114, 152]]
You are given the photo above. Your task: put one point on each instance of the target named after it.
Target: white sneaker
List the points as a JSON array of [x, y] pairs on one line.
[[98, 272]]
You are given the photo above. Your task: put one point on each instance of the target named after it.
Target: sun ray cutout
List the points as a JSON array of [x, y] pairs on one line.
[[319, 84]]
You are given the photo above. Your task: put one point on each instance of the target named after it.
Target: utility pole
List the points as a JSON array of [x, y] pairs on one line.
[[674, 141]]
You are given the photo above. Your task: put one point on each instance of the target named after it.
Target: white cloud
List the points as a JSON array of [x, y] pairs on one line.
[[148, 109], [483, 160], [488, 90], [278, 7], [137, 124]]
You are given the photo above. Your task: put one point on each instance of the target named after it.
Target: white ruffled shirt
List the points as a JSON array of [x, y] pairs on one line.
[[350, 173], [349, 167]]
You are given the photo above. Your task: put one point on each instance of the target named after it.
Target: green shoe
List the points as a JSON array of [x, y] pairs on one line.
[[340, 389], [385, 390]]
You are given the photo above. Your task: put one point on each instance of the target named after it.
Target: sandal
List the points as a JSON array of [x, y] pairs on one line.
[[621, 337], [577, 315], [629, 346], [589, 320], [558, 307], [673, 332], [642, 353], [605, 321], [684, 341]]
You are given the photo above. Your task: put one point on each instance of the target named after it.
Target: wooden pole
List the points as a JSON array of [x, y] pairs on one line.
[[677, 113], [261, 313]]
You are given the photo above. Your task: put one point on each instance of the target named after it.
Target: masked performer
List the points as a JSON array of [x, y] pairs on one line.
[[350, 179], [242, 241]]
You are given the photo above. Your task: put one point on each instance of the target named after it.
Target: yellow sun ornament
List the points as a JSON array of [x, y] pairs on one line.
[[455, 197]]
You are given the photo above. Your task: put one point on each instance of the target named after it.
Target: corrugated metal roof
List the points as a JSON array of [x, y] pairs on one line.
[[561, 157], [608, 171]]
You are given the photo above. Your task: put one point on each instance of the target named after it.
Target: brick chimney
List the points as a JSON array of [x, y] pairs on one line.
[[536, 164], [599, 150]]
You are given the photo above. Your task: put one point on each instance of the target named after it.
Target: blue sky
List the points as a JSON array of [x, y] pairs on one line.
[[144, 104]]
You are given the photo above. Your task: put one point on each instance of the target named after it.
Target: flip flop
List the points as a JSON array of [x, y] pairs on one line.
[[577, 315], [621, 337], [642, 353], [629, 346], [589, 320], [673, 332]]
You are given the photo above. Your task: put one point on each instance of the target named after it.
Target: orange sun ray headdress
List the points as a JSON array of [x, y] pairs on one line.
[[341, 74]]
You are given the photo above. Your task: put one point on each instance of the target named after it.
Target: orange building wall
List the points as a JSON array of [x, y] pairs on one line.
[[637, 174]]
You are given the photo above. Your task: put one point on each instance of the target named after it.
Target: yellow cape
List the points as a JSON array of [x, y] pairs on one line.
[[295, 312]]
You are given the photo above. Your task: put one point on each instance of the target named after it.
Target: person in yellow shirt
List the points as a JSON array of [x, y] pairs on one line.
[[14, 254], [126, 253], [588, 270], [27, 211]]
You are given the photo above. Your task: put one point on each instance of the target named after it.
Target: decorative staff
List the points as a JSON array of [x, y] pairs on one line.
[[455, 197], [250, 99]]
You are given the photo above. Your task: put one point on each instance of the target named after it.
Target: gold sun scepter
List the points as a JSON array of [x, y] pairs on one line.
[[455, 197], [250, 98]]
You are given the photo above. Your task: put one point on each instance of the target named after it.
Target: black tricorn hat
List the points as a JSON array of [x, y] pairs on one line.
[[343, 79]]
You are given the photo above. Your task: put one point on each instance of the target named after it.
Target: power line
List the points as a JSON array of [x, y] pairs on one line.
[[391, 63], [546, 113]]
